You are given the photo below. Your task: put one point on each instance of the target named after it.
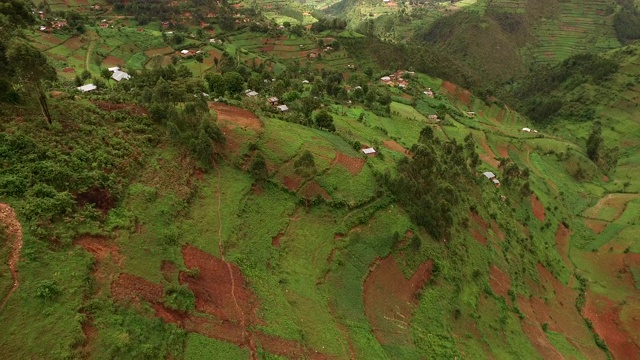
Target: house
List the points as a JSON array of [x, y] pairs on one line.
[[433, 117], [313, 55], [282, 108], [526, 129], [429, 93], [43, 28], [305, 81], [59, 24], [385, 78], [86, 88], [104, 25], [491, 176], [369, 151], [115, 68], [120, 75], [273, 101], [251, 93], [471, 114]]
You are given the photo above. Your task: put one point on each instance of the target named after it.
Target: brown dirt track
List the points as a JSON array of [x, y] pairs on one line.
[[394, 146], [352, 164], [13, 230], [389, 298]]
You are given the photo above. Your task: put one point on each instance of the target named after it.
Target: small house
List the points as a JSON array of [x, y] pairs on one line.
[[489, 175], [273, 101], [251, 93], [87, 88], [305, 81], [429, 93], [313, 55], [471, 114], [496, 182], [385, 78], [120, 75], [104, 25], [115, 68], [433, 117], [526, 129], [282, 108], [369, 151]]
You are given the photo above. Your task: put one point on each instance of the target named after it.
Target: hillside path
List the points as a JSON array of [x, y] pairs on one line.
[[248, 336], [14, 231], [92, 42]]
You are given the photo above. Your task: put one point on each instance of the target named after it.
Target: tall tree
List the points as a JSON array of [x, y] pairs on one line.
[[33, 70]]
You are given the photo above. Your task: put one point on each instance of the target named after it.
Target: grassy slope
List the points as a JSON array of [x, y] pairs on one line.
[[307, 298]]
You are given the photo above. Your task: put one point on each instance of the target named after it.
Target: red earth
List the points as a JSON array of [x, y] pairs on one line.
[[476, 235], [389, 299], [500, 283], [169, 270], [503, 151], [132, 108], [464, 96], [538, 208], [134, 288], [113, 61], [449, 87], [238, 117], [292, 182], [312, 189], [562, 243], [354, 165], [275, 241], [605, 316], [394, 146], [534, 332]]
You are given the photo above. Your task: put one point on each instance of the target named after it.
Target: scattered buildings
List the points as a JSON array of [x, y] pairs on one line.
[[251, 93], [396, 79], [273, 101], [282, 108], [87, 88]]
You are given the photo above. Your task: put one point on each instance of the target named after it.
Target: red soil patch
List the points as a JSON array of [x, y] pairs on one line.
[[496, 230], [132, 108], [449, 87], [464, 96], [500, 283], [275, 241], [476, 235], [394, 146], [479, 220], [69, 70], [113, 61], [129, 287], [389, 299], [503, 151], [489, 157], [74, 43], [605, 317], [538, 208], [534, 332], [169, 270], [312, 189], [100, 247], [213, 286], [167, 50], [52, 39], [406, 96], [562, 243], [354, 165], [236, 116], [266, 49], [292, 182]]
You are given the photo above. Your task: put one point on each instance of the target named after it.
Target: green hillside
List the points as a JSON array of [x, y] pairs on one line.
[[177, 215]]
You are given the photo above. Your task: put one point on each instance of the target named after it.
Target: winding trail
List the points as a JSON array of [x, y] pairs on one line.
[[92, 42], [245, 336], [14, 230]]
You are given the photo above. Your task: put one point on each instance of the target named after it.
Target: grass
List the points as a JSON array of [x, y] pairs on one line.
[[200, 348]]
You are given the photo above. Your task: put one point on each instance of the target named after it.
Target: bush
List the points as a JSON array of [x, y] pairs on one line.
[[179, 298]]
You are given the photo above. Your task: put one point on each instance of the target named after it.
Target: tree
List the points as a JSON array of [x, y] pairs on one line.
[[594, 142], [258, 169], [33, 70], [216, 84], [305, 165], [233, 82], [308, 105], [202, 149], [324, 120]]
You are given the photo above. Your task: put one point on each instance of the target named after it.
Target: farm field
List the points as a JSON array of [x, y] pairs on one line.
[[178, 215]]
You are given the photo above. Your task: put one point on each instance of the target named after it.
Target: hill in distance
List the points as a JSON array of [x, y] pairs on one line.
[[175, 215]]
